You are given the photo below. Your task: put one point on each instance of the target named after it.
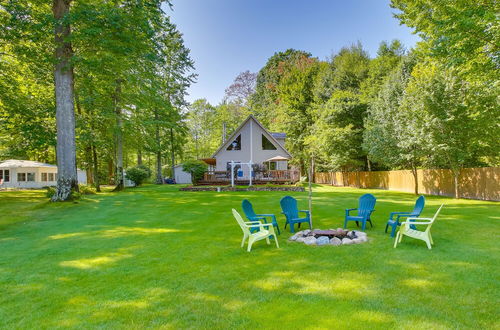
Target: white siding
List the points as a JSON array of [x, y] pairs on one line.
[[38, 183], [180, 176], [251, 149]]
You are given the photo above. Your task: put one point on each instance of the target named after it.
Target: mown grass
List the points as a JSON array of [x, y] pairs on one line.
[[157, 257]]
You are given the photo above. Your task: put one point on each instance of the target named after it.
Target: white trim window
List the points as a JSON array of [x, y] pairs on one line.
[[26, 177], [21, 177], [48, 177], [5, 175], [30, 176]]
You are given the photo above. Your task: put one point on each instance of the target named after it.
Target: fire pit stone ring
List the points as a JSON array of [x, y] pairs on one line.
[[333, 237]]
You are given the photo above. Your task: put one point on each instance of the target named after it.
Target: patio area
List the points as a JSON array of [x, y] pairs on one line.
[[261, 177]]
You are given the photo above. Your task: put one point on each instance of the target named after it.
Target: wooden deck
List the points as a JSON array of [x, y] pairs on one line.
[[219, 178]]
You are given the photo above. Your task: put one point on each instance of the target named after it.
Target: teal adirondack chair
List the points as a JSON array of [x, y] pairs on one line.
[[252, 216], [365, 209], [406, 230], [266, 231], [291, 212], [394, 217]]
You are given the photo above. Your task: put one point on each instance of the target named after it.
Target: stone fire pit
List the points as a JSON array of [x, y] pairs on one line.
[[336, 237]]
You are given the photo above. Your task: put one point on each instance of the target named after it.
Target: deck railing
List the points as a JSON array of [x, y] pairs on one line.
[[292, 175]]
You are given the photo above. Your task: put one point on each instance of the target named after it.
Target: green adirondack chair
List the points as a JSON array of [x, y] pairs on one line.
[[406, 230], [266, 231]]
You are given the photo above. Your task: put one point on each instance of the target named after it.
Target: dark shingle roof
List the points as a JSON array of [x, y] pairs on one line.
[[279, 135]]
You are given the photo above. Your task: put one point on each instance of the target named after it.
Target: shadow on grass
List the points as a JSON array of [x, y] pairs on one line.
[[156, 257]]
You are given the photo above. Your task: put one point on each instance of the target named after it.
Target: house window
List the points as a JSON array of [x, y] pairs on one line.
[[52, 177], [271, 165], [30, 176], [236, 144], [44, 177], [266, 144], [5, 175], [21, 177]]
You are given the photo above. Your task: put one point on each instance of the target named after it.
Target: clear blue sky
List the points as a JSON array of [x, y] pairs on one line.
[[227, 37]]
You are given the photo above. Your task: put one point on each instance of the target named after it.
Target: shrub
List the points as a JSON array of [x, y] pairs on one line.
[[86, 190], [51, 191], [196, 167], [147, 169], [138, 174]]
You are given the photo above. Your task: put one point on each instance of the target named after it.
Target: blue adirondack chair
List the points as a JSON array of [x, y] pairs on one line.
[[365, 209], [252, 216], [291, 212], [395, 216]]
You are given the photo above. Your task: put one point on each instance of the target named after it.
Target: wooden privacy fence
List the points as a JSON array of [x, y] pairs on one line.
[[474, 183]]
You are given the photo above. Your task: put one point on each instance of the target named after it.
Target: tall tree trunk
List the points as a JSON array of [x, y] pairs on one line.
[[119, 138], [159, 176], [110, 171], [67, 179], [139, 157], [456, 176], [96, 170], [414, 171], [172, 152]]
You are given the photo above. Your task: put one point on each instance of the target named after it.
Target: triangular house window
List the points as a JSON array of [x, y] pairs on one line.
[[236, 144], [266, 144]]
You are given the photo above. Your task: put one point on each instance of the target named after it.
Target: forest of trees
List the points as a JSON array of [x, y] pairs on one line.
[[102, 85], [434, 106], [119, 71]]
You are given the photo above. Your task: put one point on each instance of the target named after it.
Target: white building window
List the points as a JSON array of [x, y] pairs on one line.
[[30, 176], [52, 177], [5, 175], [21, 177], [44, 177]]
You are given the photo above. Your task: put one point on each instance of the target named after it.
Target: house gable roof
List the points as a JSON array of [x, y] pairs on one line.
[[237, 131], [15, 163]]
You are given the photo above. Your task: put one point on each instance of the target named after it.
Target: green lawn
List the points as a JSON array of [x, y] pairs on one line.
[[157, 257]]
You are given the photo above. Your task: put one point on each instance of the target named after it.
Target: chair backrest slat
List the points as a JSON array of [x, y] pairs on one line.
[[240, 221], [366, 205], [419, 206], [289, 207], [248, 209], [434, 218]]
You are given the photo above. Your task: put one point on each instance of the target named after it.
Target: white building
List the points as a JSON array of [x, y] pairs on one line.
[[181, 176], [29, 174], [251, 143]]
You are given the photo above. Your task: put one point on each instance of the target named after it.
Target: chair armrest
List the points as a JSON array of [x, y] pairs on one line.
[[246, 222], [418, 219], [414, 223], [257, 218], [260, 225], [267, 215], [261, 218], [305, 211], [349, 210], [399, 214], [406, 215]]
